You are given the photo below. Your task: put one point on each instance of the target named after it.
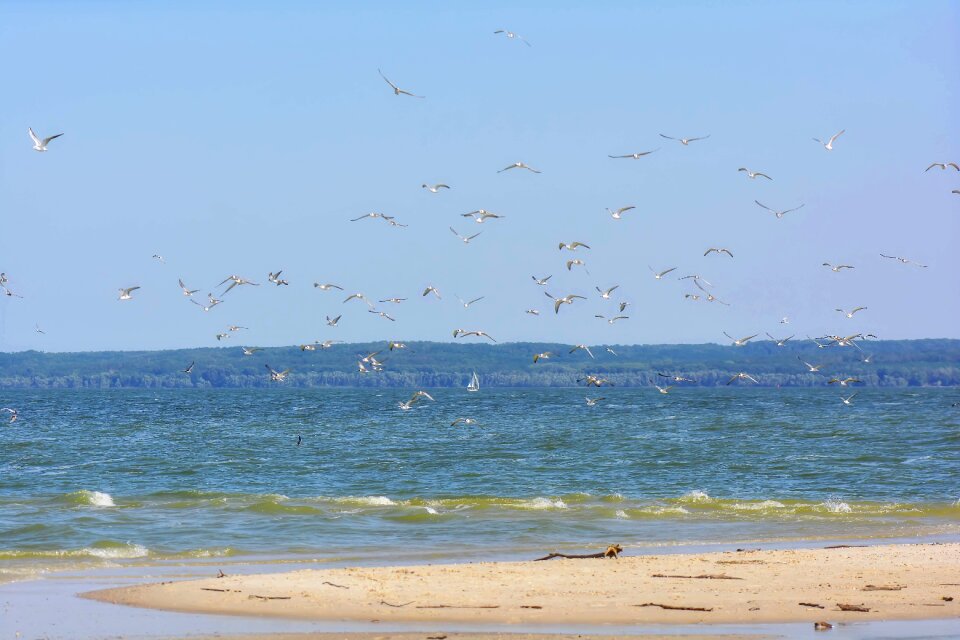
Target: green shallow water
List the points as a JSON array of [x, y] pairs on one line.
[[113, 476]]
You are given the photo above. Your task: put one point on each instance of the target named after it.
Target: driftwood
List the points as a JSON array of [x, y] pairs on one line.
[[671, 607], [252, 596], [883, 587], [338, 586], [395, 606], [212, 589], [703, 576], [811, 604], [613, 551], [741, 562], [458, 606], [853, 607], [436, 637], [535, 606], [845, 546]]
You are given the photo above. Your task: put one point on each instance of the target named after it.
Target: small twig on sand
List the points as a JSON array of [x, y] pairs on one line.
[[395, 606], [883, 587], [338, 586], [212, 589], [845, 546], [671, 607], [703, 576], [853, 607], [456, 606], [531, 606], [811, 604], [253, 595]]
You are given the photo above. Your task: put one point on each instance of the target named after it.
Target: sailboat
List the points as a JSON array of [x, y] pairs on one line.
[[474, 383]]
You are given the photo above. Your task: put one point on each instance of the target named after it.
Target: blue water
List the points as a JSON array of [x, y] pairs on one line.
[[107, 476]]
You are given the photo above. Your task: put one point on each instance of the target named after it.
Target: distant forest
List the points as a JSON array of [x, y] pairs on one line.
[[436, 364]]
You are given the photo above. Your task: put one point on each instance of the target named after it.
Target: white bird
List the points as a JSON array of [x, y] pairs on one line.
[[276, 279], [159, 258], [519, 165], [779, 214], [125, 293], [903, 261], [943, 166], [326, 344], [236, 327], [393, 300], [594, 381], [610, 351], [466, 305], [38, 329], [710, 296], [813, 368], [846, 401], [843, 381], [685, 141], [613, 319], [675, 378], [433, 290], [851, 312], [382, 314], [533, 312], [434, 188], [780, 343], [572, 246], [374, 215], [249, 351], [582, 347], [753, 174], [460, 333], [397, 90], [541, 281], [784, 320], [718, 251], [546, 355], [464, 421], [836, 268], [742, 376], [511, 35], [623, 305], [741, 341], [635, 156], [617, 214], [332, 322], [664, 390], [277, 376], [327, 287], [211, 302], [696, 279], [14, 414], [38, 143], [659, 275], [186, 291], [606, 294], [564, 300], [577, 262], [828, 145], [592, 402], [358, 296], [234, 281], [222, 336], [480, 215], [465, 239]]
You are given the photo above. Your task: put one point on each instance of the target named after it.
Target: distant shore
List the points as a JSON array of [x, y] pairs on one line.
[[890, 582]]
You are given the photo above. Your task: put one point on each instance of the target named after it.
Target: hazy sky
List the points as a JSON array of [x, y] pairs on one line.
[[241, 139]]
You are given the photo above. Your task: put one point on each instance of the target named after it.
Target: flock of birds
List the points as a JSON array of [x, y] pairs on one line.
[[371, 364]]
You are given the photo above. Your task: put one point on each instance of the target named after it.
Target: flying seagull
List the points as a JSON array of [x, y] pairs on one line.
[[460, 333], [943, 166], [234, 281], [40, 144], [433, 290], [846, 401], [332, 322], [813, 368], [613, 319], [466, 305], [190, 368], [434, 188], [741, 341], [572, 263], [14, 414], [480, 215], [849, 314], [616, 215], [828, 145], [685, 141], [564, 300], [582, 347], [397, 90], [753, 174], [837, 268], [546, 355], [572, 246], [125, 293], [186, 291], [249, 351], [779, 214], [541, 281], [465, 239], [659, 275], [718, 251], [519, 165], [635, 156], [592, 402], [903, 260], [511, 35], [327, 287], [780, 343], [464, 421], [664, 390], [742, 376], [606, 294], [277, 376]]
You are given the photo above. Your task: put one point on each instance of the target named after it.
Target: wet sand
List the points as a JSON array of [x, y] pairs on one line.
[[895, 582]]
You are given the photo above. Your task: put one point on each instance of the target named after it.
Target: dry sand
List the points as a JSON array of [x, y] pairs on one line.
[[895, 582]]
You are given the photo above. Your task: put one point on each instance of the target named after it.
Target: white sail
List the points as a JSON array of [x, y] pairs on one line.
[[474, 383]]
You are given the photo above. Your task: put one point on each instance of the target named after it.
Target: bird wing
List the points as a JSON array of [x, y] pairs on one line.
[[954, 165], [700, 138], [764, 175], [751, 378], [387, 80], [46, 140], [513, 166], [33, 136], [707, 252], [837, 135], [764, 206], [476, 300], [667, 137], [935, 164], [455, 232], [726, 251], [473, 236], [794, 209], [857, 309]]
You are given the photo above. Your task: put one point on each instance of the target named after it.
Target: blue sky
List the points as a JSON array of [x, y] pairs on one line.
[[236, 138]]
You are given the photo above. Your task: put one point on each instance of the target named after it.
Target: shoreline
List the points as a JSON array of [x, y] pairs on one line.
[[895, 582]]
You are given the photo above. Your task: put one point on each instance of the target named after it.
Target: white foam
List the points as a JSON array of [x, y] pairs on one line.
[[835, 505], [621, 514], [431, 510], [696, 496], [373, 501], [116, 553], [97, 498], [758, 506], [543, 503]]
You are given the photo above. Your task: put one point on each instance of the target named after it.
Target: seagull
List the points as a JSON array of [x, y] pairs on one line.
[[38, 143], [943, 166], [868, 359], [660, 275], [519, 165], [780, 343], [307, 347], [326, 344], [546, 355], [664, 390], [393, 300], [592, 402], [276, 279], [460, 333], [582, 347], [813, 368], [784, 320], [572, 263], [465, 421], [718, 251], [572, 246], [236, 327], [382, 314], [903, 260], [850, 314], [613, 319], [623, 305], [541, 281], [433, 290], [37, 328], [635, 156], [779, 214], [610, 351], [190, 368], [466, 239], [159, 258], [846, 401], [332, 322], [358, 296], [674, 378], [186, 291], [511, 35], [373, 214], [820, 345], [125, 293], [741, 341], [14, 414], [594, 381], [564, 300], [606, 294], [685, 141], [397, 90], [691, 296], [742, 376], [236, 280], [327, 287], [533, 312], [616, 215], [466, 305], [222, 336], [480, 215], [843, 381], [249, 351], [836, 269], [211, 302], [434, 188], [710, 296], [406, 406], [396, 345], [753, 174], [829, 144], [277, 376]]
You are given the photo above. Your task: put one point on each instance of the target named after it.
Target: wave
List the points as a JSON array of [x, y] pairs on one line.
[[89, 498]]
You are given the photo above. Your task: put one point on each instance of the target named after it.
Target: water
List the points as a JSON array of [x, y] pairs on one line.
[[106, 477]]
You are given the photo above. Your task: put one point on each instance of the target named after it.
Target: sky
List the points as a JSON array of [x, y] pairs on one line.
[[241, 138]]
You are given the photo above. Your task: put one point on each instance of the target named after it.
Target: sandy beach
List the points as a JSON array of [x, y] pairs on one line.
[[888, 582]]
